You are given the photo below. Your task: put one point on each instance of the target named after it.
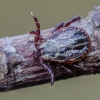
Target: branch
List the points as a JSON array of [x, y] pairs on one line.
[[20, 68]]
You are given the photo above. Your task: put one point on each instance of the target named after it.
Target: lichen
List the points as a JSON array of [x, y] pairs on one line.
[[3, 65]]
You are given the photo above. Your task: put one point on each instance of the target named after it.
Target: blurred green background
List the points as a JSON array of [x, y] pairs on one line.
[[15, 19]]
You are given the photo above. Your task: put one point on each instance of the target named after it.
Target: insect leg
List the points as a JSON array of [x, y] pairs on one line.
[[67, 70], [37, 31], [49, 70], [60, 25], [91, 70], [72, 21]]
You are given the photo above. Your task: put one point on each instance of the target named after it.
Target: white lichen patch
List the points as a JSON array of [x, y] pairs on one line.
[[15, 58], [19, 69], [9, 48], [31, 37], [1, 74], [25, 78], [93, 53], [32, 48], [3, 66]]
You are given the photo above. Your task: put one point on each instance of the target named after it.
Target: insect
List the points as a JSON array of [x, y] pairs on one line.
[[67, 45]]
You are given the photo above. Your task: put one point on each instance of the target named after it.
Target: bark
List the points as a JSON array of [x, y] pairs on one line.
[[20, 68]]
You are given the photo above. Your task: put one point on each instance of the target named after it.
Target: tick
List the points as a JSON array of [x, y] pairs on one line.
[[67, 45]]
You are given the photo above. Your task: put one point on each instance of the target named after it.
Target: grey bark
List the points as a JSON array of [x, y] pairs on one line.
[[19, 67]]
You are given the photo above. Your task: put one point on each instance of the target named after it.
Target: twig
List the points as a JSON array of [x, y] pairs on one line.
[[20, 68]]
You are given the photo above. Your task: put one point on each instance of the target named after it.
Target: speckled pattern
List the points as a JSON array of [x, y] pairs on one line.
[[67, 45], [19, 66]]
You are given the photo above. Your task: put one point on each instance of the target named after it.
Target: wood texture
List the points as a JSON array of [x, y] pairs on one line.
[[19, 67]]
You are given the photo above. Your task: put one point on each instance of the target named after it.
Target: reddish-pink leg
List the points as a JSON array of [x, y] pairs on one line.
[[60, 25], [72, 21], [38, 38], [37, 31]]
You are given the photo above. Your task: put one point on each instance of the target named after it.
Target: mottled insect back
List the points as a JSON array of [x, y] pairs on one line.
[[67, 45]]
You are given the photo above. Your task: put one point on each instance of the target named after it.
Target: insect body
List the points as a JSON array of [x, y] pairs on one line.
[[67, 45]]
